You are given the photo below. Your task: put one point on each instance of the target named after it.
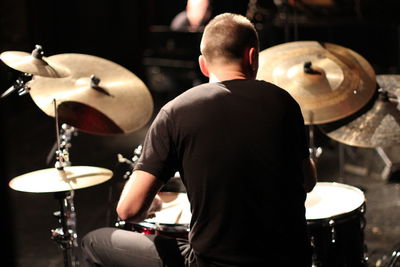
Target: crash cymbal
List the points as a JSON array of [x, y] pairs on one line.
[[378, 126], [54, 180], [328, 81], [99, 97], [33, 63]]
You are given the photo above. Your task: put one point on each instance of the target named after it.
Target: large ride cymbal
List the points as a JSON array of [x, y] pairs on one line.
[[328, 81], [378, 126], [99, 97], [33, 63], [54, 180]]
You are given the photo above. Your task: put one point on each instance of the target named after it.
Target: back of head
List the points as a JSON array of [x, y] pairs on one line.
[[226, 38]]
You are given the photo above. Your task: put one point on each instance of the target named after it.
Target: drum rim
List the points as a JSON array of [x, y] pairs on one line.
[[170, 227], [339, 217], [333, 220]]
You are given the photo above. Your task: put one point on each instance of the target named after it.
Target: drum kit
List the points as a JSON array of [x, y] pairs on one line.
[[82, 92], [335, 87]]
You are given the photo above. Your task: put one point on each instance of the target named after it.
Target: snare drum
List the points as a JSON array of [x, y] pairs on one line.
[[172, 220], [335, 219]]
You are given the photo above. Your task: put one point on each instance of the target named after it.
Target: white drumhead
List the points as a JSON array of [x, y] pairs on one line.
[[332, 199], [175, 209]]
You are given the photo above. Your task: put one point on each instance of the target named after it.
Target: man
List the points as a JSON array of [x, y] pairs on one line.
[[240, 147], [194, 17]]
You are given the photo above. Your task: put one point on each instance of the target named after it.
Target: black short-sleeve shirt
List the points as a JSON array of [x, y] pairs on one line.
[[239, 147]]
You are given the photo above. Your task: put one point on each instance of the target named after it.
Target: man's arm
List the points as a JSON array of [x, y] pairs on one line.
[[137, 197], [310, 174]]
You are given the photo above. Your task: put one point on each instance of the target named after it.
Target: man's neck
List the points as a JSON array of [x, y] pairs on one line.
[[225, 74]]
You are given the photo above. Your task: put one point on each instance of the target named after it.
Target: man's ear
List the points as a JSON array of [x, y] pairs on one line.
[[253, 59], [203, 66]]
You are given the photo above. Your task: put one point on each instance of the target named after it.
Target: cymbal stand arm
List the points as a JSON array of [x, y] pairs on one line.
[[121, 159], [59, 163], [20, 85], [311, 135], [312, 146], [341, 163], [62, 143]]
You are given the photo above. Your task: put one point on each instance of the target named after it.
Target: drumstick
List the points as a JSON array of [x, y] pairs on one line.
[[170, 205], [179, 216]]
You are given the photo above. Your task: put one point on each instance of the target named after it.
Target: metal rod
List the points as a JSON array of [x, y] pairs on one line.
[[341, 163], [58, 152]]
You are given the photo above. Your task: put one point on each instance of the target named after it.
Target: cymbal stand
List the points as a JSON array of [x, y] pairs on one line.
[[20, 85], [67, 132], [315, 152], [65, 236]]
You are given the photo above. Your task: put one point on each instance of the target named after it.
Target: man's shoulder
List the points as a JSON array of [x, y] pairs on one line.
[[197, 93]]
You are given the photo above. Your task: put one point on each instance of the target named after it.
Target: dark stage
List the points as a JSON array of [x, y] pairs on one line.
[[136, 35]]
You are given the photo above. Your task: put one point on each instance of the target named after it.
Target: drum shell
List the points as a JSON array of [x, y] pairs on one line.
[[338, 241]]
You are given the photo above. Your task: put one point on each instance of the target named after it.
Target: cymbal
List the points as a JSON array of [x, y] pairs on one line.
[[378, 126], [33, 63], [328, 81], [99, 97], [54, 180]]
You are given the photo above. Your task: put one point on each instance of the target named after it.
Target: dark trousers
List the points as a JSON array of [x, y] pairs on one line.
[[119, 248]]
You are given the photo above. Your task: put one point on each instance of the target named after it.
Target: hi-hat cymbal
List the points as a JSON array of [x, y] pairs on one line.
[[54, 180], [379, 126], [33, 63], [99, 97], [328, 81]]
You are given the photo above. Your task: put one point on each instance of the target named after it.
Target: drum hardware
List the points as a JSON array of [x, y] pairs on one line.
[[20, 86], [131, 163], [66, 236], [65, 143], [394, 257]]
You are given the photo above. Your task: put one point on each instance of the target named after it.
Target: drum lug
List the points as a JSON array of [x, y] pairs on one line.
[[120, 224], [333, 231]]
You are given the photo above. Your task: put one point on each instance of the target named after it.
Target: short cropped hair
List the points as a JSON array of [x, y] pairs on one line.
[[227, 36]]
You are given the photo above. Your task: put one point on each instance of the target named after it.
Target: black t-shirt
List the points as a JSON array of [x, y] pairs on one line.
[[239, 147]]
